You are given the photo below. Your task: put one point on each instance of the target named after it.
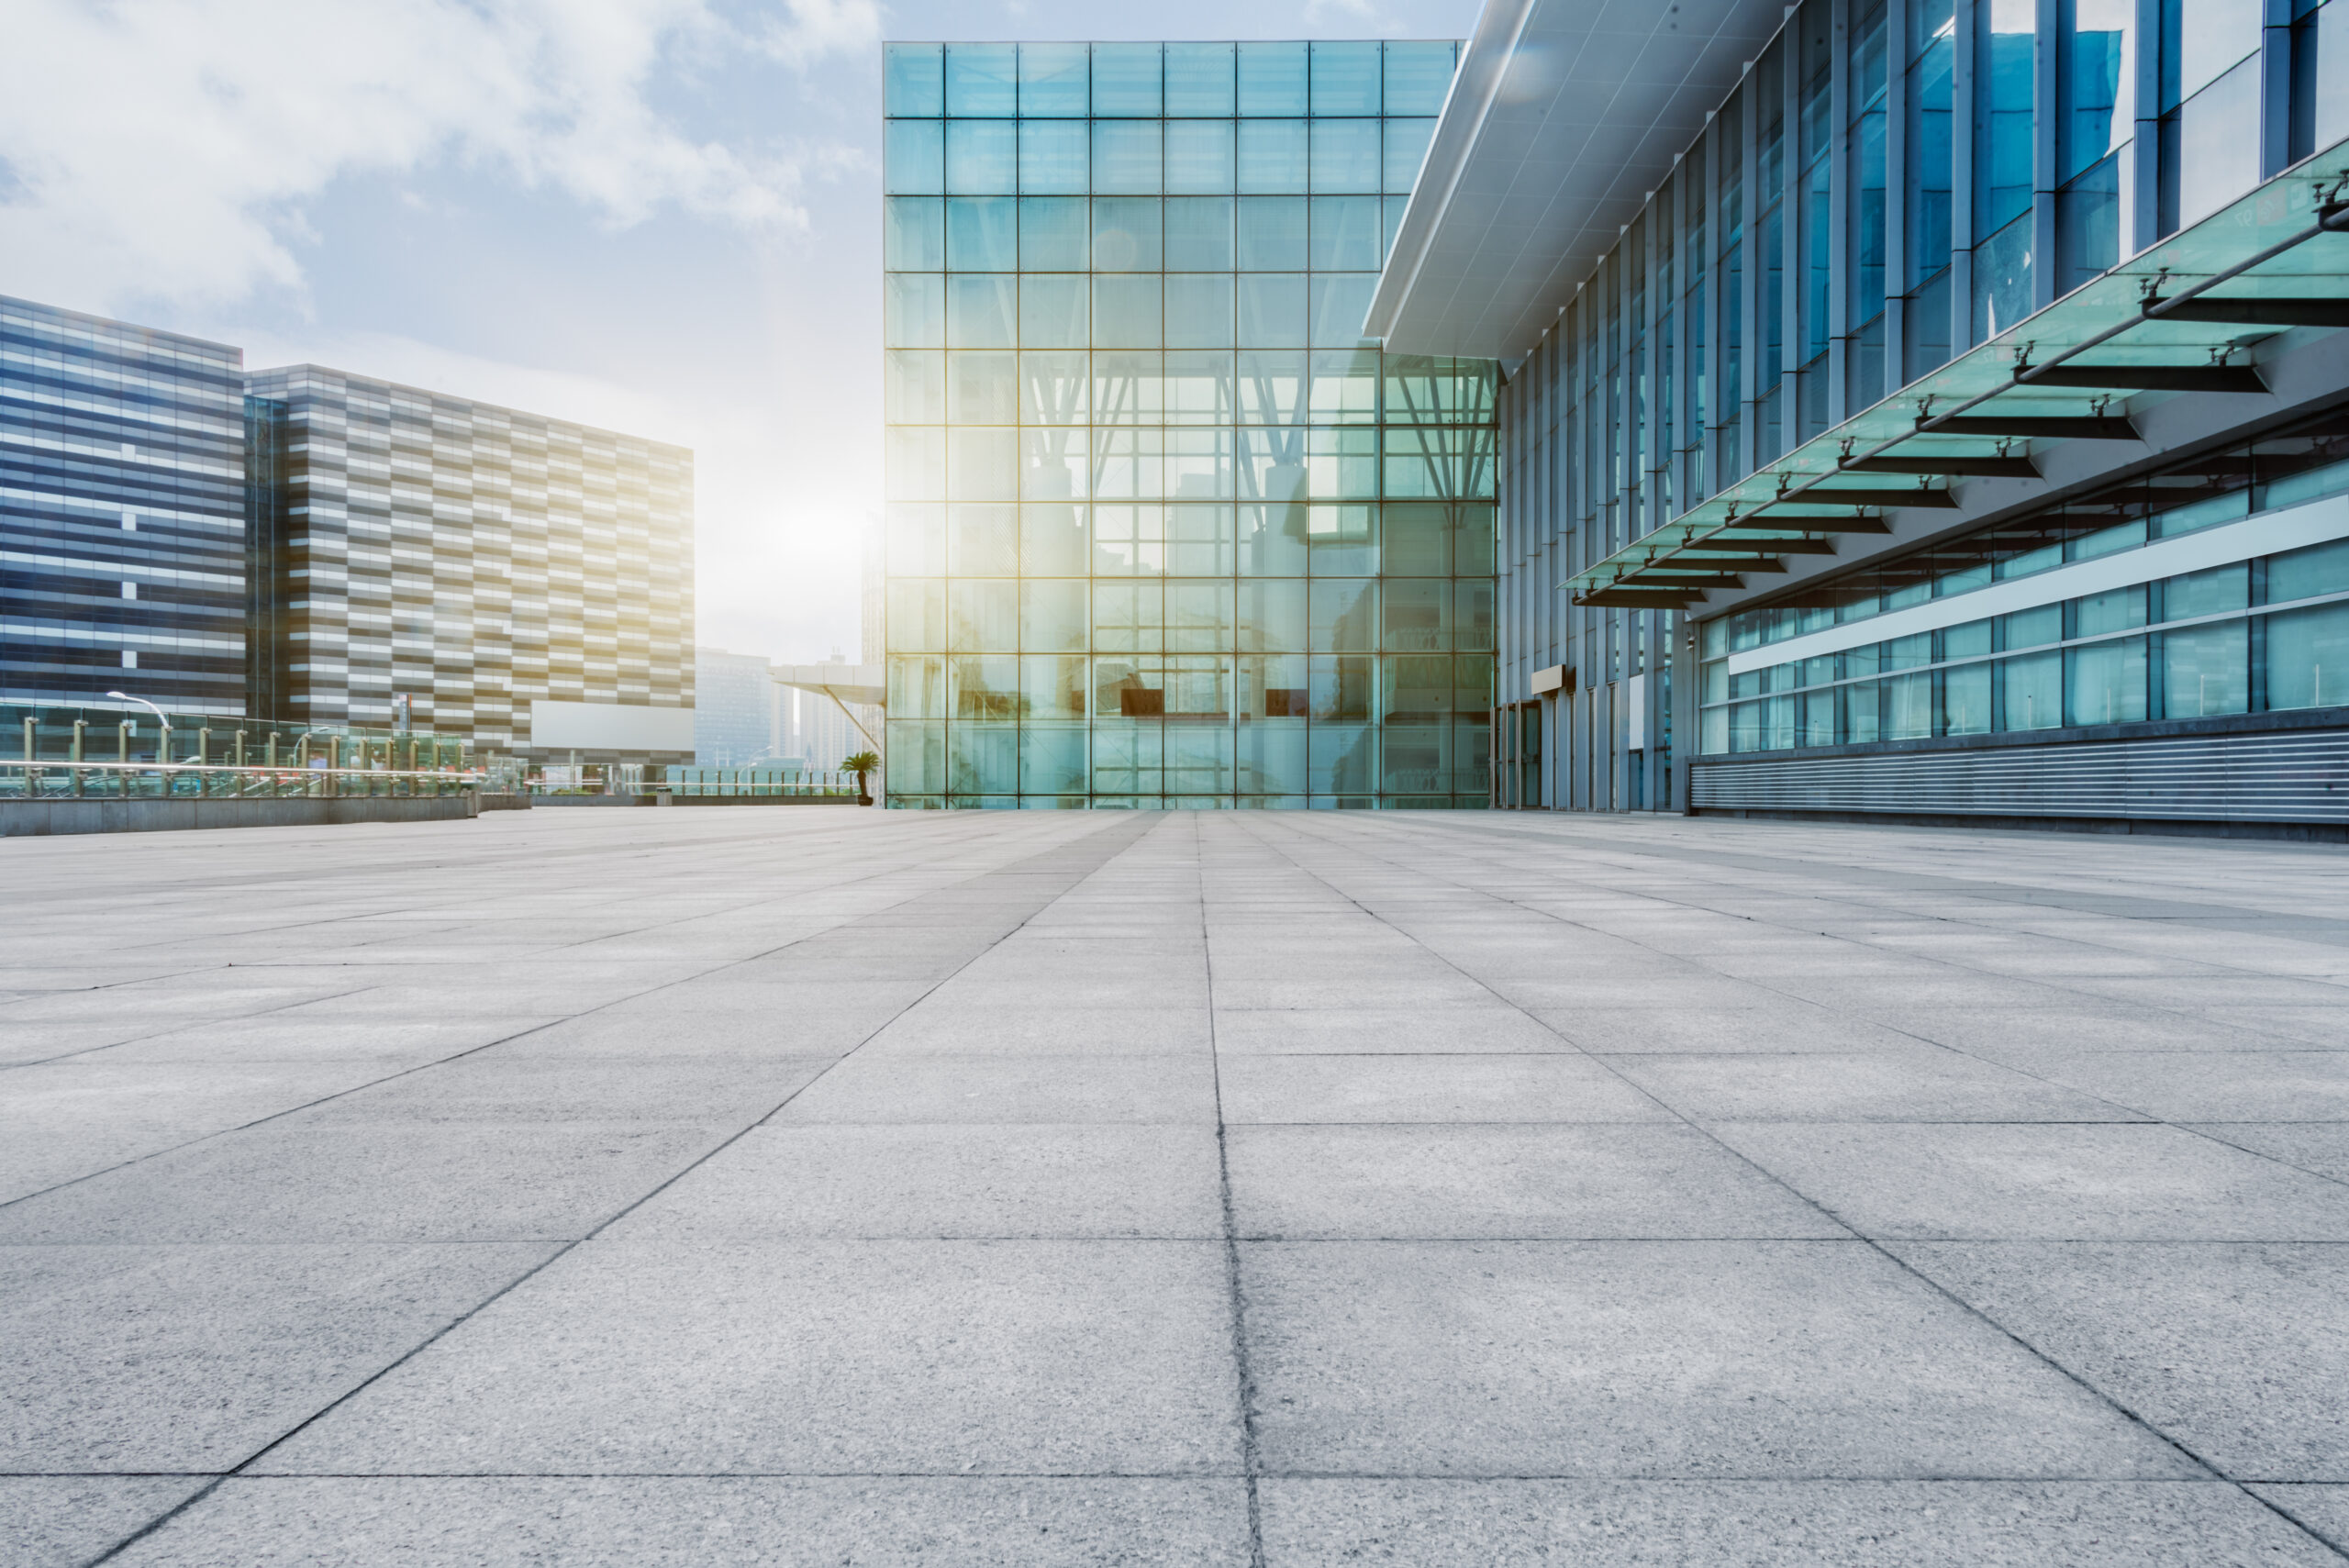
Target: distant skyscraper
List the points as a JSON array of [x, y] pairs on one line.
[[1164, 527], [527, 582], [733, 709], [124, 513]]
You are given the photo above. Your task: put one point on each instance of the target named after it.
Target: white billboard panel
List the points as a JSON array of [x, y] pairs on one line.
[[609, 727]]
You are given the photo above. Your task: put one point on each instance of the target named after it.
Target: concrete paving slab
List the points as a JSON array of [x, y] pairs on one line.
[[1411, 1031], [786, 1032], [1775, 1524], [1488, 1089], [64, 1521], [2240, 1085], [2125, 1182], [944, 1027], [387, 1181], [274, 1038], [1771, 1025], [707, 1522], [2237, 1351], [504, 1090], [2317, 1147], [932, 1181], [143, 1359], [1729, 1360], [902, 1088], [1575, 1182], [2321, 1510], [60, 1121], [817, 1358], [1859, 1086]]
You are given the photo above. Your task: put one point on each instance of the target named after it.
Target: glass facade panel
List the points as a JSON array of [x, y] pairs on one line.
[[1134, 552]]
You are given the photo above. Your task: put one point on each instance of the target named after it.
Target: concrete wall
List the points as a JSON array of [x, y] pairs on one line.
[[35, 819]]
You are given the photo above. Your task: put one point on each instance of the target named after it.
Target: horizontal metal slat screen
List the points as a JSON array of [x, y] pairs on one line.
[[2232, 778]]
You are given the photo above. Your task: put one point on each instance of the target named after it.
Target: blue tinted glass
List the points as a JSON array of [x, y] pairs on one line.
[[1125, 79], [1271, 310], [1418, 77], [1340, 305], [1395, 207], [1199, 79], [1051, 310], [982, 157], [1125, 312], [1345, 234], [1272, 79], [1198, 234], [982, 235], [1346, 155], [1345, 78], [1052, 234], [1126, 155], [1052, 155], [913, 310], [1198, 311], [1126, 234], [982, 79], [1407, 148], [914, 235], [1053, 78], [979, 311], [1271, 234], [913, 158], [910, 79], [1272, 155], [1199, 156]]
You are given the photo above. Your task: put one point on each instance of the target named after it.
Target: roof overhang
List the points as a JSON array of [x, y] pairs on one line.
[[1565, 116], [843, 682]]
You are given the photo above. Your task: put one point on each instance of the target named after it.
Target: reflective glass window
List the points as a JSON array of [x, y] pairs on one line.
[[982, 157], [1199, 79], [912, 79], [1272, 79], [982, 79], [1200, 156], [1126, 78], [1272, 156]]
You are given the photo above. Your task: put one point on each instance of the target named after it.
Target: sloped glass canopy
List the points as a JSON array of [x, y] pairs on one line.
[[2178, 317]]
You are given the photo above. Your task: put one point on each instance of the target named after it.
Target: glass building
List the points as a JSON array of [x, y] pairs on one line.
[[1918, 408], [734, 709], [124, 513], [479, 571], [1165, 528]]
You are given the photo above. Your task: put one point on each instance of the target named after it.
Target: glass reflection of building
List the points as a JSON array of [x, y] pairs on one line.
[[1164, 527]]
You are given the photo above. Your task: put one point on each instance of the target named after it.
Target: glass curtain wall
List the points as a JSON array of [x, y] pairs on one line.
[[1164, 529], [1892, 182]]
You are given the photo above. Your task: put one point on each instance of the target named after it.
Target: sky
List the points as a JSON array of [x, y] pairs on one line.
[[660, 216]]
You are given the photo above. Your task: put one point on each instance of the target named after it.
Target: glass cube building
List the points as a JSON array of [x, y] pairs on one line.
[[1164, 529]]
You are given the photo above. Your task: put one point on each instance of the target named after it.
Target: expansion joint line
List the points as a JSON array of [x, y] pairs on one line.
[[1250, 1462]]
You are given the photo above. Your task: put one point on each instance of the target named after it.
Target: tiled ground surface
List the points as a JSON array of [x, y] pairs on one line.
[[809, 1187]]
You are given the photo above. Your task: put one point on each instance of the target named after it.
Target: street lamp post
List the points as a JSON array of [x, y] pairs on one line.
[[162, 721]]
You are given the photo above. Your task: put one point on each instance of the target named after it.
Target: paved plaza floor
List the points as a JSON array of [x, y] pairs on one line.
[[811, 1186]]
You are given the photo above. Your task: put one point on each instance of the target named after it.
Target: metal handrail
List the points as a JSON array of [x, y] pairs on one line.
[[115, 779], [67, 764]]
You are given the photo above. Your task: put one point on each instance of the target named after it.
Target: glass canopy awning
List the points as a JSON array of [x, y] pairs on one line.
[[2176, 317]]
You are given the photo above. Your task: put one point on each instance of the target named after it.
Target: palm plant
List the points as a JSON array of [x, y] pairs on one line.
[[861, 764]]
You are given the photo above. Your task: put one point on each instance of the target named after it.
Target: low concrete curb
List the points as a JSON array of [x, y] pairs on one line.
[[43, 819]]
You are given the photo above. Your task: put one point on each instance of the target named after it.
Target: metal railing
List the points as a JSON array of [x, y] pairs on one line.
[[47, 779], [770, 783]]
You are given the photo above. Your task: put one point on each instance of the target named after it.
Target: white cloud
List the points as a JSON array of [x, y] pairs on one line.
[[165, 147]]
